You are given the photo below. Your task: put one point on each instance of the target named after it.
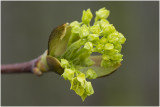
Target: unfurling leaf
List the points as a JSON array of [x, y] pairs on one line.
[[58, 40]]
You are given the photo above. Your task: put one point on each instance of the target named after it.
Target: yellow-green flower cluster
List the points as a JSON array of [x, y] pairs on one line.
[[102, 37], [78, 80]]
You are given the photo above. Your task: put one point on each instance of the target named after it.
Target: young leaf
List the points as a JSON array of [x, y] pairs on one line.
[[100, 71], [58, 40]]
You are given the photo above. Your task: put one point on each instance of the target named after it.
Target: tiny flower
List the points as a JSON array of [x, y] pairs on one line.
[[102, 13], [106, 63], [108, 46], [93, 37], [75, 29], [114, 38], [103, 23], [87, 16], [99, 48], [84, 31], [88, 46], [105, 57], [64, 63], [77, 86], [117, 56], [95, 29], [108, 29], [122, 38], [91, 74], [68, 74]]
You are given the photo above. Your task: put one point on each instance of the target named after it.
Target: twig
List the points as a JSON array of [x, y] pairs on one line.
[[26, 67]]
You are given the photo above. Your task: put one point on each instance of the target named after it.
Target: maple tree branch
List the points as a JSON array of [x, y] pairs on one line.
[[26, 67]]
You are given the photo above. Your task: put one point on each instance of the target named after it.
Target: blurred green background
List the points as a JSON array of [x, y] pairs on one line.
[[26, 27]]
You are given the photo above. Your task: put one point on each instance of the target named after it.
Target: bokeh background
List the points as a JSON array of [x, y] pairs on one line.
[[26, 27]]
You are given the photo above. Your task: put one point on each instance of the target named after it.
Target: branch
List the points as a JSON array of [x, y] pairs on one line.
[[26, 67]]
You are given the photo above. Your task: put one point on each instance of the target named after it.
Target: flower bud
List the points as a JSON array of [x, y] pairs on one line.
[[68, 74], [93, 37], [95, 29], [91, 74], [105, 57], [102, 13], [87, 16], [64, 63], [108, 46], [103, 23], [88, 46], [117, 56], [108, 29], [84, 31]]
